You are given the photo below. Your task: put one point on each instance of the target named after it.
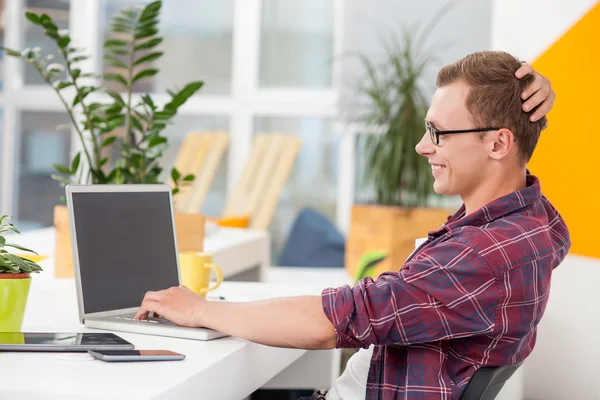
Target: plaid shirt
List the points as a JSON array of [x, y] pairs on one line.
[[470, 296]]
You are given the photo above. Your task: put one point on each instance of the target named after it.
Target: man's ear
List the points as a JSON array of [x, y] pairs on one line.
[[503, 141]]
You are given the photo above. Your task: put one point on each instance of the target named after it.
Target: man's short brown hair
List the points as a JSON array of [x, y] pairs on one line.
[[494, 99]]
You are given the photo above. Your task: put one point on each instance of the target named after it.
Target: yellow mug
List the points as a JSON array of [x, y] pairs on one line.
[[195, 269]]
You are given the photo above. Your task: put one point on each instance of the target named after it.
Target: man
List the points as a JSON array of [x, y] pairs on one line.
[[472, 294]]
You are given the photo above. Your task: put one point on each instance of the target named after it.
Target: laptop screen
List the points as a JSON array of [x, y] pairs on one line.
[[126, 247]]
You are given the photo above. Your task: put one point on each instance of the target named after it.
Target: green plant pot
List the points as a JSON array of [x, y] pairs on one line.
[[14, 289]]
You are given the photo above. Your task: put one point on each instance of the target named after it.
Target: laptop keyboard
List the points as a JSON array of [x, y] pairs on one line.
[[152, 320]]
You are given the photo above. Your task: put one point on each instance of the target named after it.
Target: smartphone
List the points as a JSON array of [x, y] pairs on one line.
[[135, 355]]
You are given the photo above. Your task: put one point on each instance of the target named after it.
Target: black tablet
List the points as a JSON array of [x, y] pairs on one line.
[[61, 342]]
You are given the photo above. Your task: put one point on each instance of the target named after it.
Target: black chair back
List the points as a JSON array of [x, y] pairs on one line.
[[486, 383]]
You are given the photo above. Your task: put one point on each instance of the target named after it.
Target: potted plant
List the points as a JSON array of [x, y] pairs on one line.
[[382, 233], [15, 279], [106, 118]]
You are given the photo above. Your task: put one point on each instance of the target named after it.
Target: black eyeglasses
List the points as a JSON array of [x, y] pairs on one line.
[[435, 133]]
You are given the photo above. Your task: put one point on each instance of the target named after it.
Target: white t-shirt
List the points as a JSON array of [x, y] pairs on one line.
[[352, 384]]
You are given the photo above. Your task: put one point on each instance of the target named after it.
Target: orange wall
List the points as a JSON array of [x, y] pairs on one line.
[[567, 158]]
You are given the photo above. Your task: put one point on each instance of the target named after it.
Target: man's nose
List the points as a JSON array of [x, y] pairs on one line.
[[425, 146]]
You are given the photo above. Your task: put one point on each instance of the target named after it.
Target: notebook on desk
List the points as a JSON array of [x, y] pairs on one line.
[[124, 244]]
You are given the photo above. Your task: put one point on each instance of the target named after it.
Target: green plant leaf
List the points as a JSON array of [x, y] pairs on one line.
[[117, 97], [145, 32], [18, 261], [115, 61], [108, 141], [75, 72], [114, 43], [84, 91], [150, 11], [175, 174], [52, 34], [148, 24], [184, 94], [175, 191], [120, 28], [2, 241], [120, 52], [116, 78], [16, 246], [156, 141], [152, 176], [62, 168], [149, 57], [103, 162], [136, 124], [10, 52], [144, 74], [114, 123], [33, 18], [189, 177], [75, 163], [147, 99], [163, 115], [79, 59], [64, 42], [98, 176], [148, 44], [48, 23], [59, 85]]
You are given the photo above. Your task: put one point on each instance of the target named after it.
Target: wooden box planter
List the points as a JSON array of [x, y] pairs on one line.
[[190, 237], [390, 229]]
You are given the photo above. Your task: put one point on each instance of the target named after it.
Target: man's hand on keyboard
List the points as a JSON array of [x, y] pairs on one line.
[[177, 304]]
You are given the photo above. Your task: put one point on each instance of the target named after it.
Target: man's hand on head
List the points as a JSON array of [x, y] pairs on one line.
[[539, 92], [177, 304]]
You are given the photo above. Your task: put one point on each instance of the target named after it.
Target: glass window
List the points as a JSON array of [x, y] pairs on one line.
[[197, 44], [41, 145], [296, 43], [313, 181], [58, 10]]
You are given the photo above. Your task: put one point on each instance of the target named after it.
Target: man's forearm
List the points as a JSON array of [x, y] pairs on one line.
[[296, 322]]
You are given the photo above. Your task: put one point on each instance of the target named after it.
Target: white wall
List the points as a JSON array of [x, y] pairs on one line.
[[526, 28], [565, 363]]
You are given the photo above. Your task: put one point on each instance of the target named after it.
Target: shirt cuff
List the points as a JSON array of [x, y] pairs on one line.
[[338, 306]]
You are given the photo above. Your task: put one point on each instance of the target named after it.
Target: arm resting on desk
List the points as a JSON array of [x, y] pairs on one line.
[[296, 322]]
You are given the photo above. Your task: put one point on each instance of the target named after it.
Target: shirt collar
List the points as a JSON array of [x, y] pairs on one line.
[[494, 210]]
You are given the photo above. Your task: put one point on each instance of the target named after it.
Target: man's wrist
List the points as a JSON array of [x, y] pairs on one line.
[[201, 313]]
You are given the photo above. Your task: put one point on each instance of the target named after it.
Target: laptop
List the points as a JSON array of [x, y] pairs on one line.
[[124, 244]]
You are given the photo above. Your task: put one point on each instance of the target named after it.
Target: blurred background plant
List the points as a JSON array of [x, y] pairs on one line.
[[395, 119]]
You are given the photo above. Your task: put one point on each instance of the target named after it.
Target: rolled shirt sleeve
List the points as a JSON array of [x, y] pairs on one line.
[[447, 291]]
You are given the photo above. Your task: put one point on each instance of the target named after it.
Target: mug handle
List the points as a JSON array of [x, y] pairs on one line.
[[219, 278]]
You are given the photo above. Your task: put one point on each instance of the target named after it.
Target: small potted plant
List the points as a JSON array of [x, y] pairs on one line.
[[15, 279]]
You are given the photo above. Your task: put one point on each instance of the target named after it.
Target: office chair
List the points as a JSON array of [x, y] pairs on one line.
[[486, 383]]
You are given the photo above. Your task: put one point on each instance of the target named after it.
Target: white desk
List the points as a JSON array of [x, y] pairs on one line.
[[242, 254], [227, 368]]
